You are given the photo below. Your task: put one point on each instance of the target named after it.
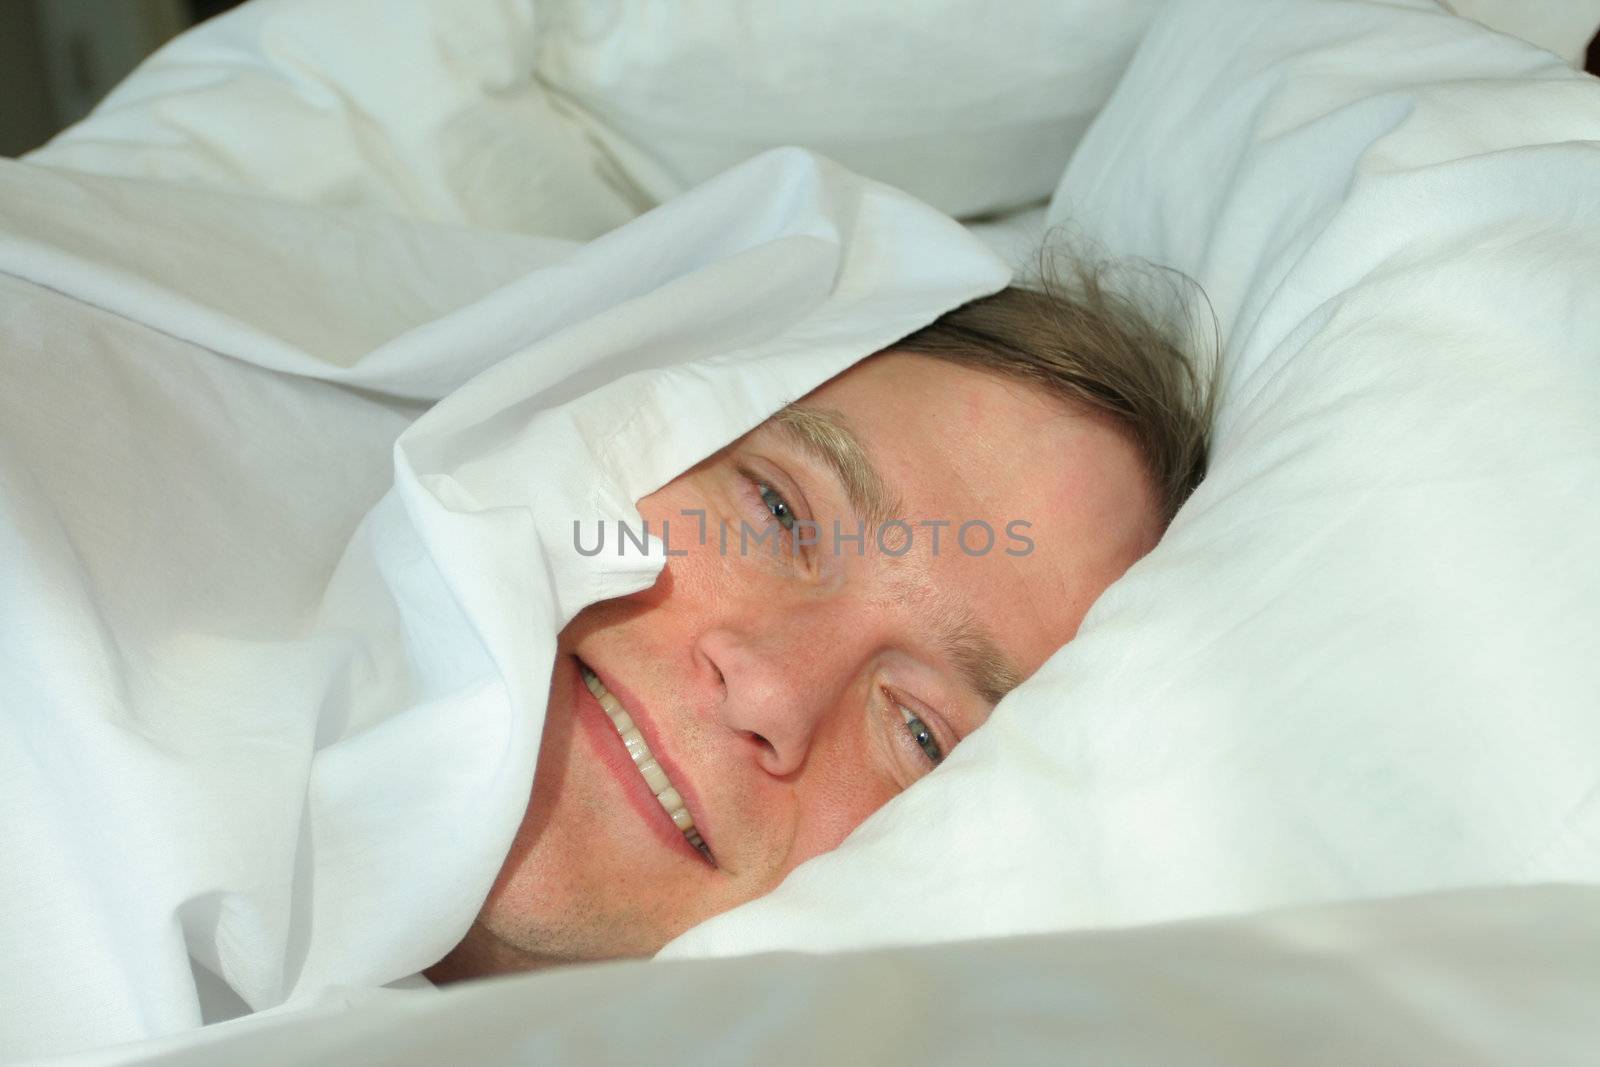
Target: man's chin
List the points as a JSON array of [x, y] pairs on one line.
[[482, 954]]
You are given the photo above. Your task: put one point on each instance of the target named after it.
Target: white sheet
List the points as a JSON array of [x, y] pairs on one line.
[[1294, 699], [263, 711], [1475, 979]]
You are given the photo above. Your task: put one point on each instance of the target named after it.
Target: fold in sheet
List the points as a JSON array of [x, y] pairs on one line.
[[274, 656]]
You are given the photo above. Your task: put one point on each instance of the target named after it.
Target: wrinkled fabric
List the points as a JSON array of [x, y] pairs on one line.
[[274, 650], [566, 118], [249, 654]]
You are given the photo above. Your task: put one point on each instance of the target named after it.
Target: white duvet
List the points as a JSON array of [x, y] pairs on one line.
[[271, 685], [271, 719], [1479, 978]]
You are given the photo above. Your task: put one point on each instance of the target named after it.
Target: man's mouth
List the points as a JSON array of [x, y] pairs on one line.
[[645, 763]]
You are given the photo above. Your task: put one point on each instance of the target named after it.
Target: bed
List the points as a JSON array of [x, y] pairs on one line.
[[1319, 777]]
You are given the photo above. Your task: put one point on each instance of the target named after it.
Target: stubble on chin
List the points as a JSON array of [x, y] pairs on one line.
[[493, 947]]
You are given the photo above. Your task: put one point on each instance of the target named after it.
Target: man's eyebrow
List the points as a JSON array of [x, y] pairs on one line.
[[827, 436], [987, 670]]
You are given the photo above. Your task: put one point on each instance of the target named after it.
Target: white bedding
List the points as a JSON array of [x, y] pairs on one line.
[[1360, 664], [275, 657], [565, 119], [1482, 978]]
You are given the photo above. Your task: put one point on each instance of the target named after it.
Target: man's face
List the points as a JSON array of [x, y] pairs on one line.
[[773, 689]]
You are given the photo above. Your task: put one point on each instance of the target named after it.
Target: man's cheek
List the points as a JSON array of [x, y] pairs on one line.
[[700, 527]]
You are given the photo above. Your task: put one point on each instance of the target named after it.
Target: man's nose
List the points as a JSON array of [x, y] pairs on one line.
[[776, 690]]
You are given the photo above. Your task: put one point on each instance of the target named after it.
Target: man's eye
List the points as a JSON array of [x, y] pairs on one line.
[[759, 497], [776, 505], [922, 735]]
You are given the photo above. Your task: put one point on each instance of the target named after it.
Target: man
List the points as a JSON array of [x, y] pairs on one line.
[[937, 520]]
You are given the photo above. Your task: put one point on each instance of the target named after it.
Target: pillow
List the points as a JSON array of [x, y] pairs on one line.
[[1565, 27], [424, 108], [566, 119], [973, 109], [1362, 660]]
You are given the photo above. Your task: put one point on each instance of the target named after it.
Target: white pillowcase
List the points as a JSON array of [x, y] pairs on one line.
[[1565, 27], [971, 107], [424, 108], [567, 118], [1363, 660]]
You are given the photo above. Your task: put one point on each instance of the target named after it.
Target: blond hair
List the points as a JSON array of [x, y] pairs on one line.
[[1095, 347]]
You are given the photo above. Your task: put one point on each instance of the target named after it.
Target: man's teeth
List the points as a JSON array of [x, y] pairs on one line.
[[645, 761]]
